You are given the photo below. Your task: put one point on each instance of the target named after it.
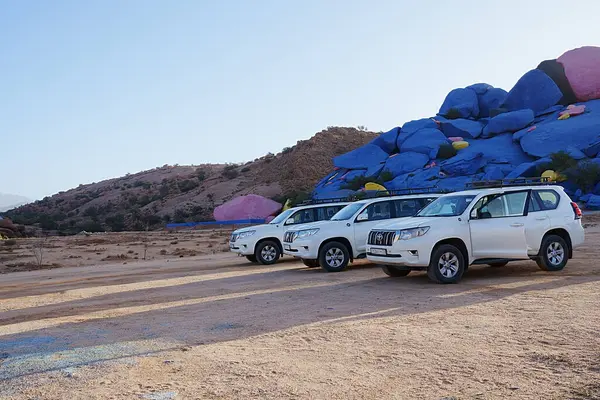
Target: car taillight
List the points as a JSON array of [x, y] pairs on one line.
[[576, 210]]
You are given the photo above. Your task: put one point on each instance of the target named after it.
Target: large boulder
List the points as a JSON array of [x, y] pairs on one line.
[[553, 135], [535, 90], [363, 157], [462, 103], [425, 141], [403, 163], [250, 206], [582, 71], [468, 164], [464, 128], [508, 122], [387, 141]]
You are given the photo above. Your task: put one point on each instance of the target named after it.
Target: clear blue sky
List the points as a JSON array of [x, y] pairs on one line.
[[96, 89]]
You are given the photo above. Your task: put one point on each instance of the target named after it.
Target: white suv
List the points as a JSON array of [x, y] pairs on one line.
[[262, 243], [481, 226], [335, 243]]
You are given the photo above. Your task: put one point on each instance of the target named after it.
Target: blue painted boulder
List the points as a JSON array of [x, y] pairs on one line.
[[535, 90], [461, 102]]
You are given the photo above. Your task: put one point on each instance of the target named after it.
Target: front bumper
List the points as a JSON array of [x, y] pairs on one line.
[[305, 249], [242, 247], [409, 253]]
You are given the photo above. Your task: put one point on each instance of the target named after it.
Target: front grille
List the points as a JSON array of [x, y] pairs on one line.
[[381, 238], [234, 237], [288, 237]]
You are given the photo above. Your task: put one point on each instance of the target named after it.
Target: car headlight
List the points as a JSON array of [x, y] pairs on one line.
[[305, 233], [245, 234], [407, 234]]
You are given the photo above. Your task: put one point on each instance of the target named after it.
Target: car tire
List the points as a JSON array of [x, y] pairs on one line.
[[498, 264], [311, 263], [395, 272], [447, 264], [334, 257], [252, 259], [554, 253], [267, 252]]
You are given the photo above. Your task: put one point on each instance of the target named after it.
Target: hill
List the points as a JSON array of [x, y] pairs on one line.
[[8, 201], [175, 193]]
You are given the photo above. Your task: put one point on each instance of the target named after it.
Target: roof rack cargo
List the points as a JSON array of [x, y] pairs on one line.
[[372, 194], [509, 182]]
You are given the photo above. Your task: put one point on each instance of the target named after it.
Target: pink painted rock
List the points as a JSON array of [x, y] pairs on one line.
[[455, 139], [573, 110], [581, 69], [246, 207]]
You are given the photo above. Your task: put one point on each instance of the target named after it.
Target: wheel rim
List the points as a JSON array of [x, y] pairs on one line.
[[555, 253], [448, 265], [268, 253], [334, 257]]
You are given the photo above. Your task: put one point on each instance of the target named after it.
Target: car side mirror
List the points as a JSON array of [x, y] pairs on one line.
[[290, 221], [362, 217]]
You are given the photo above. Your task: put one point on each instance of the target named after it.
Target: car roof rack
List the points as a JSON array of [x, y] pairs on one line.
[[370, 194], [509, 182]]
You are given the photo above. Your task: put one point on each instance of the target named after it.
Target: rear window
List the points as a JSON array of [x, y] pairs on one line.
[[548, 199]]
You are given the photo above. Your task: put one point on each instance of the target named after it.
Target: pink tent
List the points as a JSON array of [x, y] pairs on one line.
[[582, 71], [246, 207]]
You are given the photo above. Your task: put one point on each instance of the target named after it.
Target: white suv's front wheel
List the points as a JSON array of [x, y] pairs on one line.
[[267, 252], [553, 254], [334, 257], [447, 264]]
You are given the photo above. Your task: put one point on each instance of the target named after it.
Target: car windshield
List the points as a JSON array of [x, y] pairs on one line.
[[347, 212], [447, 206], [282, 217]]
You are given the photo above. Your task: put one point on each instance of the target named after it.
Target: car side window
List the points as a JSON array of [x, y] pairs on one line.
[[534, 205], [303, 216], [378, 211], [548, 199], [500, 206], [325, 213], [406, 208]]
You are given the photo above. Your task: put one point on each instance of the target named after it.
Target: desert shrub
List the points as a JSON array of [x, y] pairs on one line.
[[585, 175], [287, 150], [446, 151], [559, 162], [386, 176], [201, 174], [453, 113], [9, 242], [187, 185], [246, 169], [230, 172]]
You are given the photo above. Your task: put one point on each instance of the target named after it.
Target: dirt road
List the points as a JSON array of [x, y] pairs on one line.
[[215, 327]]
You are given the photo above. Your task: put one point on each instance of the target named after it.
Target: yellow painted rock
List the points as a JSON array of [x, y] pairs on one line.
[[550, 175], [287, 205], [375, 187], [460, 145]]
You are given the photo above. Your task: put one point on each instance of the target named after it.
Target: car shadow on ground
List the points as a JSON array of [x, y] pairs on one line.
[[203, 312]]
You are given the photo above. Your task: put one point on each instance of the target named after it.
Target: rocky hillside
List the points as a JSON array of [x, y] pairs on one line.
[[177, 193]]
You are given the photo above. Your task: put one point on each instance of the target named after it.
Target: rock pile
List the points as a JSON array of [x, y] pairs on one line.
[[482, 133]]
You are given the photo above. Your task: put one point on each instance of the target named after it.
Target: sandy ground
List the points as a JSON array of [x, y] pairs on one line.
[[211, 326]]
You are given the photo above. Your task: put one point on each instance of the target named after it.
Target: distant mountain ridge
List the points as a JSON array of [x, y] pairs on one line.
[[189, 193], [10, 201]]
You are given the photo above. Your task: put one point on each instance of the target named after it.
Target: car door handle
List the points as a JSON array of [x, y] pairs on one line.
[[541, 218], [517, 225]]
